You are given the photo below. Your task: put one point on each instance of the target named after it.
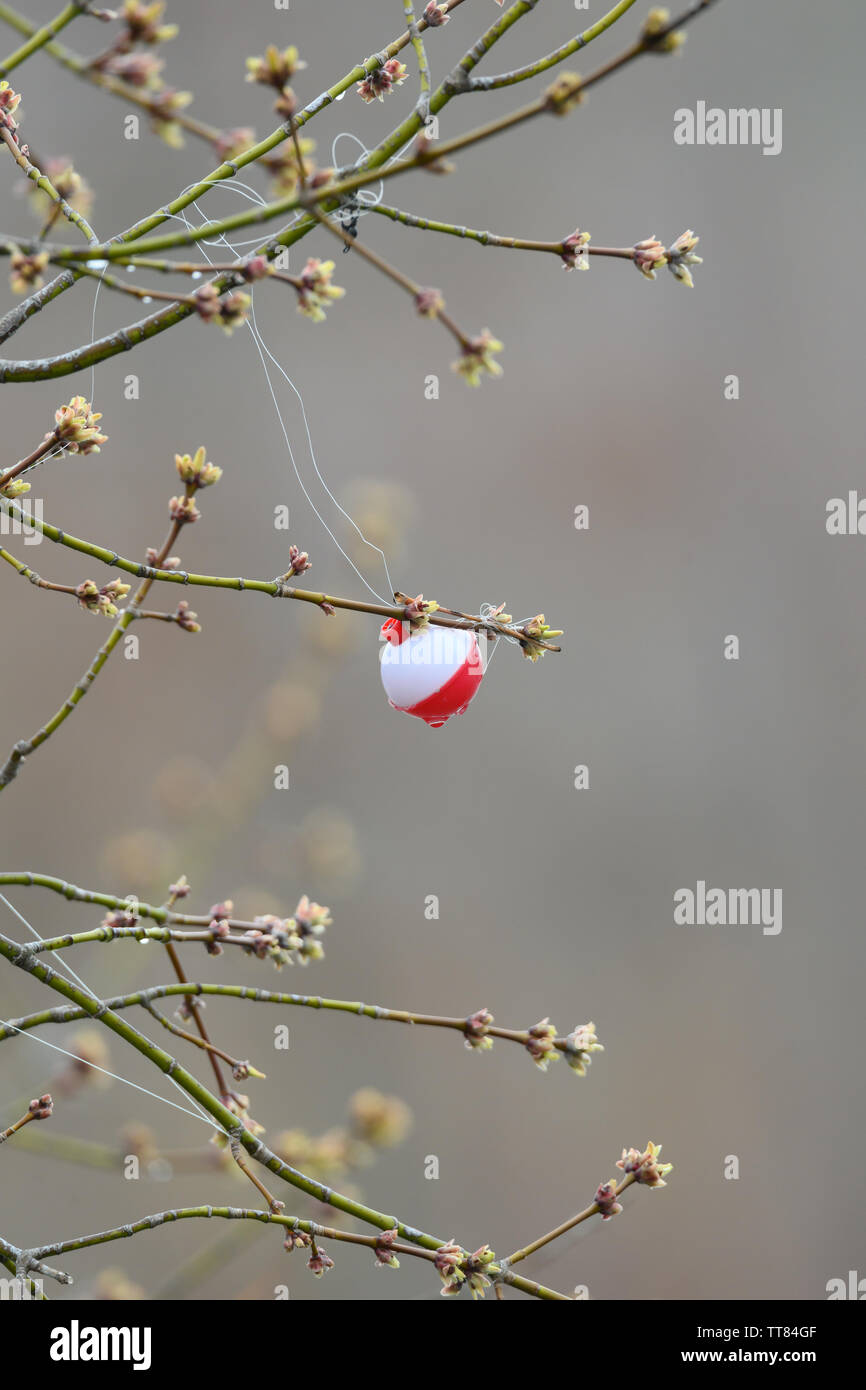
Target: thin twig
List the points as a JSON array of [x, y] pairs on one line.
[[276, 588], [24, 747], [292, 1223], [414, 30], [40, 37], [392, 273], [191, 989], [569, 1225], [42, 181], [222, 1088], [201, 1042], [550, 60], [64, 363], [39, 1109], [49, 442], [484, 238], [35, 579], [162, 915], [81, 67], [226, 170], [22, 957]]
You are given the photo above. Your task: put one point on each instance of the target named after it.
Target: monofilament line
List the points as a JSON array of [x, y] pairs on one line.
[[212, 1124], [199, 1113], [264, 351]]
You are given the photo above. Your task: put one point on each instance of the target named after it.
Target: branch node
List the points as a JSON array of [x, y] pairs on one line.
[[456, 82]]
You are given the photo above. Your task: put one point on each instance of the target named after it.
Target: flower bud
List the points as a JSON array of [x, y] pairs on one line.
[[276, 68], [428, 302], [195, 471], [75, 427], [26, 271], [436, 15], [319, 1261], [605, 1200], [565, 93], [381, 80], [183, 510]]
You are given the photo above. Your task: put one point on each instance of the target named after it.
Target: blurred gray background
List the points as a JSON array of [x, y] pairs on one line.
[[706, 519]]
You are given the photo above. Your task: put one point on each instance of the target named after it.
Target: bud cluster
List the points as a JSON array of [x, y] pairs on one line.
[[478, 358], [574, 255], [315, 290], [195, 471], [9, 103], [644, 1165], [455, 1268], [579, 1047], [295, 939], [76, 429], [26, 271], [535, 632], [540, 1044], [104, 600], [649, 255], [657, 35], [436, 15], [475, 1033], [565, 93], [229, 312], [418, 610], [382, 80]]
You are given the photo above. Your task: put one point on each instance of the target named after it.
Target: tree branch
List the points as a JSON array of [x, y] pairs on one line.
[[226, 170], [23, 958], [328, 197], [276, 588], [40, 37], [42, 181], [24, 747], [469, 1028]]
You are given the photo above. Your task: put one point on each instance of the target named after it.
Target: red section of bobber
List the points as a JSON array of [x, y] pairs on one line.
[[395, 631], [450, 698]]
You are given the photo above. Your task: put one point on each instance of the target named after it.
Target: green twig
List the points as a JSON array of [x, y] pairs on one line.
[[65, 363], [276, 588], [228, 169], [164, 1218], [163, 915], [569, 1225], [204, 1043], [81, 67], [144, 998], [391, 272], [484, 238], [42, 181], [40, 37], [10, 1257], [540, 65], [414, 31], [24, 747], [24, 959]]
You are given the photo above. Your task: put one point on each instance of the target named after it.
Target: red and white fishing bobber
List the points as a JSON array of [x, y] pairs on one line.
[[431, 672]]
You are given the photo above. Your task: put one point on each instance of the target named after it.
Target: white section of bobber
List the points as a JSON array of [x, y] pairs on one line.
[[418, 667]]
